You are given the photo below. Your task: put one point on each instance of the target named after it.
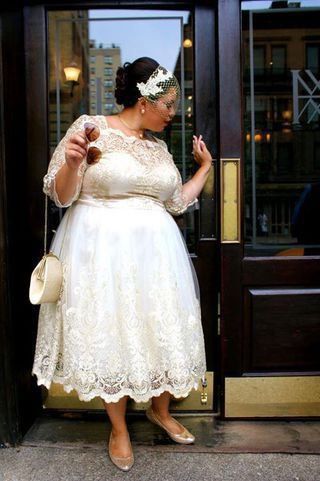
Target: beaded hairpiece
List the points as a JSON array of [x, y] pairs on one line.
[[151, 87], [162, 85]]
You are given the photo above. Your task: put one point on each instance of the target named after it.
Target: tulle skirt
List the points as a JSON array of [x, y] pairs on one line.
[[128, 320]]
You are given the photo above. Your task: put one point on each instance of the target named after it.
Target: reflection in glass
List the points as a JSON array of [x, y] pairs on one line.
[[282, 128], [99, 41]]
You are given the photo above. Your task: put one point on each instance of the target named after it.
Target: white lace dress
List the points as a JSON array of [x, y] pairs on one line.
[[128, 319]]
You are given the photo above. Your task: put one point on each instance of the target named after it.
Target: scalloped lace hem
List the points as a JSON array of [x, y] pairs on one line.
[[139, 398]]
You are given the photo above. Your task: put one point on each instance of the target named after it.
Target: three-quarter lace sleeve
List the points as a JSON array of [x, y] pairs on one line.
[[178, 203], [58, 160]]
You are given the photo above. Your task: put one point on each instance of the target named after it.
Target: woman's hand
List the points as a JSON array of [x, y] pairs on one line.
[[76, 150], [202, 156], [200, 152]]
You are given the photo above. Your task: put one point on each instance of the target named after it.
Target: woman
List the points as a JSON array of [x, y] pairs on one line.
[[127, 323]]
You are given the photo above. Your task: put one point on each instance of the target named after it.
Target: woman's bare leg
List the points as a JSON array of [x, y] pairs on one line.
[[117, 414], [160, 405]]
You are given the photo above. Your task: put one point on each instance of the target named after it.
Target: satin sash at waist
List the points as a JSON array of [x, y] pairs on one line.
[[136, 201]]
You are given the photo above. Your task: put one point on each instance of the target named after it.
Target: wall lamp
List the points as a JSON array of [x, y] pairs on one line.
[[72, 73]]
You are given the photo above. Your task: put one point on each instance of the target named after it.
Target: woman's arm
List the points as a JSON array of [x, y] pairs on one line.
[[194, 186], [63, 180], [185, 195], [67, 178], [66, 183]]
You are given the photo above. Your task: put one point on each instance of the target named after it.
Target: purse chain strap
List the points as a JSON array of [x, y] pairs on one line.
[[45, 225], [46, 229]]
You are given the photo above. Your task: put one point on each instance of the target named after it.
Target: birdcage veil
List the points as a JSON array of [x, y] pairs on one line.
[[162, 90]]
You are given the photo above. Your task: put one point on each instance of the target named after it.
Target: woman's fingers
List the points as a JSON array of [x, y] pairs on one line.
[[78, 148], [77, 144], [196, 144], [79, 138], [75, 154], [200, 151], [71, 148], [195, 141], [204, 147], [199, 142], [202, 143]]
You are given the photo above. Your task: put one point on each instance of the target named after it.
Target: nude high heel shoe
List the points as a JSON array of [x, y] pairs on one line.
[[123, 463], [185, 437]]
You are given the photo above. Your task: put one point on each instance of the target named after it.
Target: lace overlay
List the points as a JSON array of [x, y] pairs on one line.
[[113, 142], [128, 319]]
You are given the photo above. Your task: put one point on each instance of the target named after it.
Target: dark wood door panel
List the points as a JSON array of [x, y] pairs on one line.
[[270, 306], [264, 271], [281, 329]]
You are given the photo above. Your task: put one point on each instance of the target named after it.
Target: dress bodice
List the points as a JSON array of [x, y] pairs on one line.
[[128, 168]]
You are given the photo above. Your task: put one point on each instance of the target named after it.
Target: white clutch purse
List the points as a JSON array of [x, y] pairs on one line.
[[46, 278]]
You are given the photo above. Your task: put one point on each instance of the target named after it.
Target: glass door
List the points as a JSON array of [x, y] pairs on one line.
[[281, 123], [91, 44], [270, 288]]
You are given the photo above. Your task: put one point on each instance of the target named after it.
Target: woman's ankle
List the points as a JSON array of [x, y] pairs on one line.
[[163, 414], [116, 431]]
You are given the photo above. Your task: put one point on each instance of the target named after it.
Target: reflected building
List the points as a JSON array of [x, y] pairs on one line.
[[280, 77], [93, 93], [68, 44], [104, 62]]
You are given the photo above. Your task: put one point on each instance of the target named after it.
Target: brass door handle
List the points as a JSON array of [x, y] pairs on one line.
[[230, 201]]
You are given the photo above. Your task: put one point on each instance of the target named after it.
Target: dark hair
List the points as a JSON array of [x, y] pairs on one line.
[[126, 91]]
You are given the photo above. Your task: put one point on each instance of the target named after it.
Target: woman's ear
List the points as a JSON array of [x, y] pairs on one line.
[[142, 105]]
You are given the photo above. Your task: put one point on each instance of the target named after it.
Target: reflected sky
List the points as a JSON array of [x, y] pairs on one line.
[[260, 5], [148, 37]]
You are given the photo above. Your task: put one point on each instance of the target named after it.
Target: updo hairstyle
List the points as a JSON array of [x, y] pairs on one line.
[[127, 77]]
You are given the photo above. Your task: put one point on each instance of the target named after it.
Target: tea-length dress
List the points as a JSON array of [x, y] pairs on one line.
[[128, 318]]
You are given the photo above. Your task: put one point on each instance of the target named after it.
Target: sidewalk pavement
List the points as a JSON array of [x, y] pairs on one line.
[[28, 463], [74, 448]]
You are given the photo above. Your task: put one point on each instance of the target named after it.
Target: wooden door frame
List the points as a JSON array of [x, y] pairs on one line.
[[230, 147], [23, 46], [19, 399], [205, 87], [7, 395], [241, 275]]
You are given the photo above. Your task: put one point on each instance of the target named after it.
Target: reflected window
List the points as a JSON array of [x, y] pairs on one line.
[[278, 58], [281, 79], [259, 59], [313, 57]]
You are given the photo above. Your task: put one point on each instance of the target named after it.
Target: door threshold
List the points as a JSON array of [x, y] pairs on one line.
[[212, 435]]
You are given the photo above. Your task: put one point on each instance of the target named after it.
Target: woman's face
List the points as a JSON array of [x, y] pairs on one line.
[[160, 113]]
